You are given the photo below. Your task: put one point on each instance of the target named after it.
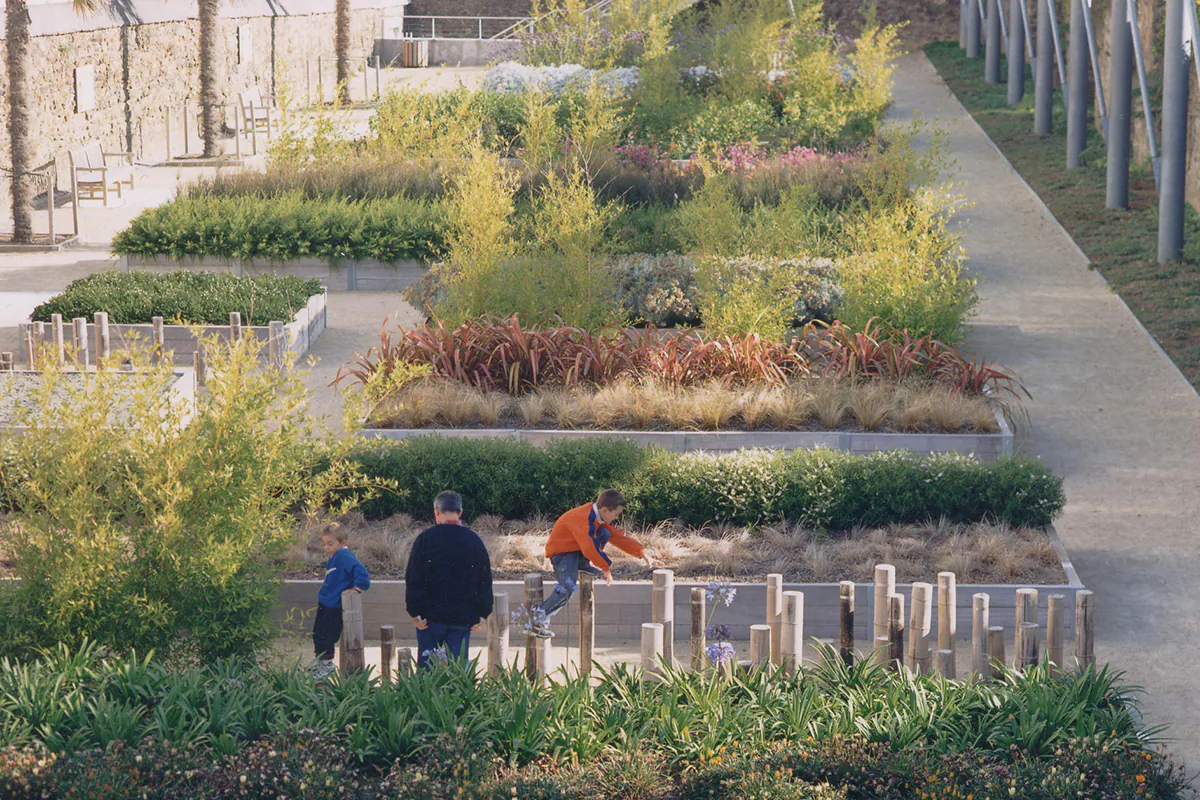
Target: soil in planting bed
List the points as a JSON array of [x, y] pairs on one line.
[[977, 554]]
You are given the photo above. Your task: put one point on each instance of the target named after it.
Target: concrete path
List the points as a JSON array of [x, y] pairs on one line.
[[1109, 413]]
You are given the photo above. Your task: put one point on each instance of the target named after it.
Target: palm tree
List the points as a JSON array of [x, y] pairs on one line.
[[210, 97], [341, 46], [20, 97]]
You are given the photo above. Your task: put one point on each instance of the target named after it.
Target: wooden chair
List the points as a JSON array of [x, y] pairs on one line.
[[256, 115], [94, 172]]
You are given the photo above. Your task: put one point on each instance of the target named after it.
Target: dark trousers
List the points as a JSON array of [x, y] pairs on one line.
[[567, 567], [456, 638], [327, 629]]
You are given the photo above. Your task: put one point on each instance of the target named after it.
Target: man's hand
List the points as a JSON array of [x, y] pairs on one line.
[[421, 623], [649, 561], [477, 627], [608, 577]]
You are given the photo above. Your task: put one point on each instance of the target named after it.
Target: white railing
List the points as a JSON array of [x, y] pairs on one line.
[[457, 24]]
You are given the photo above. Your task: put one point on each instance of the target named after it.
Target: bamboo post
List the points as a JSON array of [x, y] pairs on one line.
[[947, 611], [996, 657], [351, 644], [378, 89], [156, 327], [882, 648], [663, 611], [387, 651], [60, 350], [980, 613], [1026, 606], [918, 628], [237, 129], [760, 644], [1027, 645], [775, 614], [187, 142], [39, 341], [587, 622], [366, 79], [895, 634], [235, 325], [30, 348], [535, 667], [846, 619], [253, 130], [276, 346], [1055, 604], [885, 587], [699, 618], [943, 663], [791, 631], [652, 647], [82, 356], [308, 83], [103, 342], [167, 125], [497, 634], [404, 661], [1085, 630], [267, 116], [200, 364], [320, 83]]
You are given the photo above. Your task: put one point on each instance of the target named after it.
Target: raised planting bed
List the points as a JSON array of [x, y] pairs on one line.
[[19, 388], [366, 275], [992, 559]]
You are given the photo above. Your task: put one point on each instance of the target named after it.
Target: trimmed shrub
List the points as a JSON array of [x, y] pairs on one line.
[[181, 298], [821, 488]]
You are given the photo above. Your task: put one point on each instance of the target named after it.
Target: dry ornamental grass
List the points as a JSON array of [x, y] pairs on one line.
[[828, 404], [979, 553]]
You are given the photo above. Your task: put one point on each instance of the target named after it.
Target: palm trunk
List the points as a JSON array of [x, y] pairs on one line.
[[341, 47], [20, 101], [210, 97]]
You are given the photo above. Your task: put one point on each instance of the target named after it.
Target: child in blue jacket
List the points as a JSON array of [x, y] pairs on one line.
[[343, 573]]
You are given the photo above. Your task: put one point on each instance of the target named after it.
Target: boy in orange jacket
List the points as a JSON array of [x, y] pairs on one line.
[[576, 543]]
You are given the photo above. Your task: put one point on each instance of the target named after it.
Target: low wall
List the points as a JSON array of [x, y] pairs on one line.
[[306, 327], [623, 607], [985, 446], [363, 276], [469, 52]]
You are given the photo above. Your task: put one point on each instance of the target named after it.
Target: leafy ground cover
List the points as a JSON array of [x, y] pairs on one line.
[[1122, 245]]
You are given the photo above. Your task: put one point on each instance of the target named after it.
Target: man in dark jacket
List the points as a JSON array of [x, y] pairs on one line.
[[448, 584]]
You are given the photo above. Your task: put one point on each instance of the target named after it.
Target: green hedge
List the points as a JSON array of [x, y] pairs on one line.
[[284, 227], [195, 298], [821, 488]]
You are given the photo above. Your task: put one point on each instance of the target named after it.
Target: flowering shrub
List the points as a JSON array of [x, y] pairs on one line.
[[511, 77]]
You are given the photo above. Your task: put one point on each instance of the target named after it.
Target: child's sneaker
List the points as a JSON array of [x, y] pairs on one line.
[[541, 632], [323, 670]]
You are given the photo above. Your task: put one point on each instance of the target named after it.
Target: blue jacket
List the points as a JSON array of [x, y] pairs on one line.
[[343, 572]]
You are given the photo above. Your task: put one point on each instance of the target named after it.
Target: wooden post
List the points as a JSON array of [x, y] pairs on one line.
[[253, 130], [699, 620], [535, 667], [307, 83], [1055, 604], [996, 658], [775, 615], [497, 631], [587, 622], [652, 647], [980, 621], [663, 611], [237, 129], [1026, 606], [791, 631], [943, 663], [378, 85], [885, 587], [39, 341], [387, 651], [235, 325], [882, 650], [276, 346], [1085, 628], [60, 348], [201, 363], [895, 634], [404, 661], [1027, 645], [846, 620], [50, 201], [760, 644], [351, 644], [919, 618], [366, 80], [30, 348], [103, 342], [6, 361], [947, 613], [167, 113], [82, 356], [156, 326]]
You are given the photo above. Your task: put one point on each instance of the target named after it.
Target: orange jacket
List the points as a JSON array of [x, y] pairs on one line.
[[580, 529]]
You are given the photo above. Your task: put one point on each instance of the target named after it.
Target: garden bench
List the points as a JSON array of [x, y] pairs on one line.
[[94, 171], [256, 115]]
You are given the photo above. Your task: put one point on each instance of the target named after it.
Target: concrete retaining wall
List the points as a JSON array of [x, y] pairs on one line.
[[366, 276], [985, 446]]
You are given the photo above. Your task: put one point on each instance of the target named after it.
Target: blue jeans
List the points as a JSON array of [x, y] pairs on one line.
[[456, 638], [566, 570]]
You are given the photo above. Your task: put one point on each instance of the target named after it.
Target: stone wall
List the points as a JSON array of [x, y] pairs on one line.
[[140, 67]]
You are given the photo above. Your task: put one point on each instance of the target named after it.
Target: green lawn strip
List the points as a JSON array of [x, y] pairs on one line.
[[1122, 245]]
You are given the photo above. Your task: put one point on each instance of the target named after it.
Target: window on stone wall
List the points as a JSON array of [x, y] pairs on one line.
[[85, 88], [245, 44]]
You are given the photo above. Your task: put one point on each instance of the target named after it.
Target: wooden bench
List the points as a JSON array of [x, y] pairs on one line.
[[94, 172], [256, 115]]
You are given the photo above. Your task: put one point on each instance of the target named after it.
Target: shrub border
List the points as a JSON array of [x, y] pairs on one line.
[[368, 275]]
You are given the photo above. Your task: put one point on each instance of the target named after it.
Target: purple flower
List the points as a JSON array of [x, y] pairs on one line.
[[722, 591], [719, 652], [718, 633]]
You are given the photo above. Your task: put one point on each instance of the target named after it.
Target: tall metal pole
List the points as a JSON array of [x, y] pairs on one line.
[[1120, 111], [1016, 52], [1077, 84], [963, 9], [992, 53], [1043, 72], [973, 23], [1174, 126]]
